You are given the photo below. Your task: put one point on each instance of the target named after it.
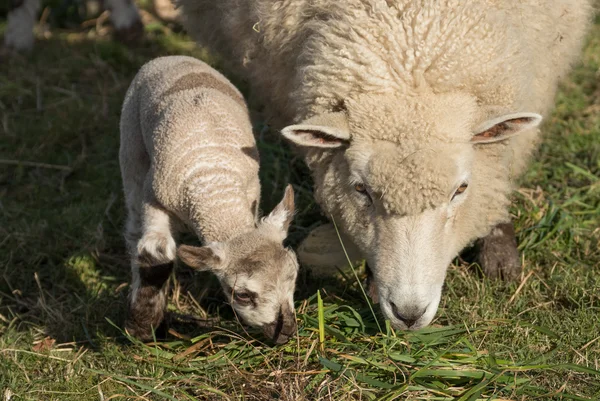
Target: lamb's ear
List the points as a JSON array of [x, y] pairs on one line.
[[203, 258], [281, 217], [505, 127], [329, 130]]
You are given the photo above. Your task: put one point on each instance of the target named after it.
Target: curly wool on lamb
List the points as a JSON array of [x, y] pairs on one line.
[[194, 124]]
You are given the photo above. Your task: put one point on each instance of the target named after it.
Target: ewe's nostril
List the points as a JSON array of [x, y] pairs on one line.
[[409, 317]]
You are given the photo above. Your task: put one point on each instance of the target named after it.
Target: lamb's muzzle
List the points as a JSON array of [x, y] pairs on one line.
[[282, 329]]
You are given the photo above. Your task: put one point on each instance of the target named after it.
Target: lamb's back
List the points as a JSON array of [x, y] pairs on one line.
[[197, 131]]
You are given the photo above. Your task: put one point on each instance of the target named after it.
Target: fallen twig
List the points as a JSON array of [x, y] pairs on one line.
[[35, 164]]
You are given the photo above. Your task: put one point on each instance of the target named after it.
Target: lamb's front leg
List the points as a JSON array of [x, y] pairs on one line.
[[497, 253], [152, 262]]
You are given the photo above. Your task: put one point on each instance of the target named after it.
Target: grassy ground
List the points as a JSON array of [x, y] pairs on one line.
[[64, 272]]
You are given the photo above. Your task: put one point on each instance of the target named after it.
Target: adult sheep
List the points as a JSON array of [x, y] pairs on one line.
[[414, 116]]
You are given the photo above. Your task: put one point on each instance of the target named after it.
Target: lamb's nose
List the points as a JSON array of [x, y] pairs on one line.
[[409, 315], [282, 329]]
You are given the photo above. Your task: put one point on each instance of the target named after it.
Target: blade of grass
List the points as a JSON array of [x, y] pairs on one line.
[[321, 317], [356, 275], [134, 383]]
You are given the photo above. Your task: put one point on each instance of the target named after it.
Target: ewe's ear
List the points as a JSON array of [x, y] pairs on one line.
[[505, 127], [281, 217], [329, 130], [203, 258]]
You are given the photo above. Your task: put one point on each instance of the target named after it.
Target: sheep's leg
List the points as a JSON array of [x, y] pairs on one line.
[[21, 21], [126, 19], [322, 253], [165, 10], [152, 262], [497, 253]]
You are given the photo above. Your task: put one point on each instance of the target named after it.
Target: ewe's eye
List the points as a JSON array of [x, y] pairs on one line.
[[243, 297], [460, 190], [362, 189]]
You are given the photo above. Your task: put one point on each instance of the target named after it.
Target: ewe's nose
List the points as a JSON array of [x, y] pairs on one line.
[[408, 315], [282, 329]]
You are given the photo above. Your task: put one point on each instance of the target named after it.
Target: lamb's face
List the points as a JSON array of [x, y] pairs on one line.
[[257, 273], [259, 282], [405, 205]]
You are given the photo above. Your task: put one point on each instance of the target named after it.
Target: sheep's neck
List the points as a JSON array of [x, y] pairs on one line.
[[222, 225]]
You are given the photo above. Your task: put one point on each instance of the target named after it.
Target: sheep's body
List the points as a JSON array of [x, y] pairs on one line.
[[188, 157], [401, 97], [195, 131], [322, 52]]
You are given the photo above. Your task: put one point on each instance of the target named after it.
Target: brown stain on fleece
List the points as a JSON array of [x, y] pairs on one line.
[[204, 80]]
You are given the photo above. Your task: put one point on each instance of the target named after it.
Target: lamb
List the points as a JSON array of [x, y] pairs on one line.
[[188, 158], [23, 15], [415, 117]]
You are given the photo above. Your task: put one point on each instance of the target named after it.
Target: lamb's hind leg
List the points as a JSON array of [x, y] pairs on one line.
[[152, 262], [497, 253]]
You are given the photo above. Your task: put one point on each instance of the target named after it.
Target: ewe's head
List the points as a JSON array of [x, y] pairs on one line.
[[257, 273], [408, 181]]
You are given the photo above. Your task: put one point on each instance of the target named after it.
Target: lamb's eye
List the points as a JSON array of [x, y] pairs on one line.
[[242, 297], [460, 190]]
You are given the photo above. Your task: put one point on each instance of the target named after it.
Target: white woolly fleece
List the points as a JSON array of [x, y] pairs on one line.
[[402, 87], [194, 128]]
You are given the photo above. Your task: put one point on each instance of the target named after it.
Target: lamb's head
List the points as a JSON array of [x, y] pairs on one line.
[[257, 273], [401, 181]]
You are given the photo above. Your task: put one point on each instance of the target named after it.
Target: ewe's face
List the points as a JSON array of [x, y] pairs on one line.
[[405, 203], [257, 273], [401, 212], [409, 208]]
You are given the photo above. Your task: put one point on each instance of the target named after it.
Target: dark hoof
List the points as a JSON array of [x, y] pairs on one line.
[[497, 253], [146, 333], [131, 35], [145, 317]]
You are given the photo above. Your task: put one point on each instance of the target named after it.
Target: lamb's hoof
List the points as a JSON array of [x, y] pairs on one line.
[[497, 253], [132, 34], [147, 309], [145, 332], [322, 253]]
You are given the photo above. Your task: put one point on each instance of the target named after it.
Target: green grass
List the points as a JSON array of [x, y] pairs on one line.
[[64, 272]]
